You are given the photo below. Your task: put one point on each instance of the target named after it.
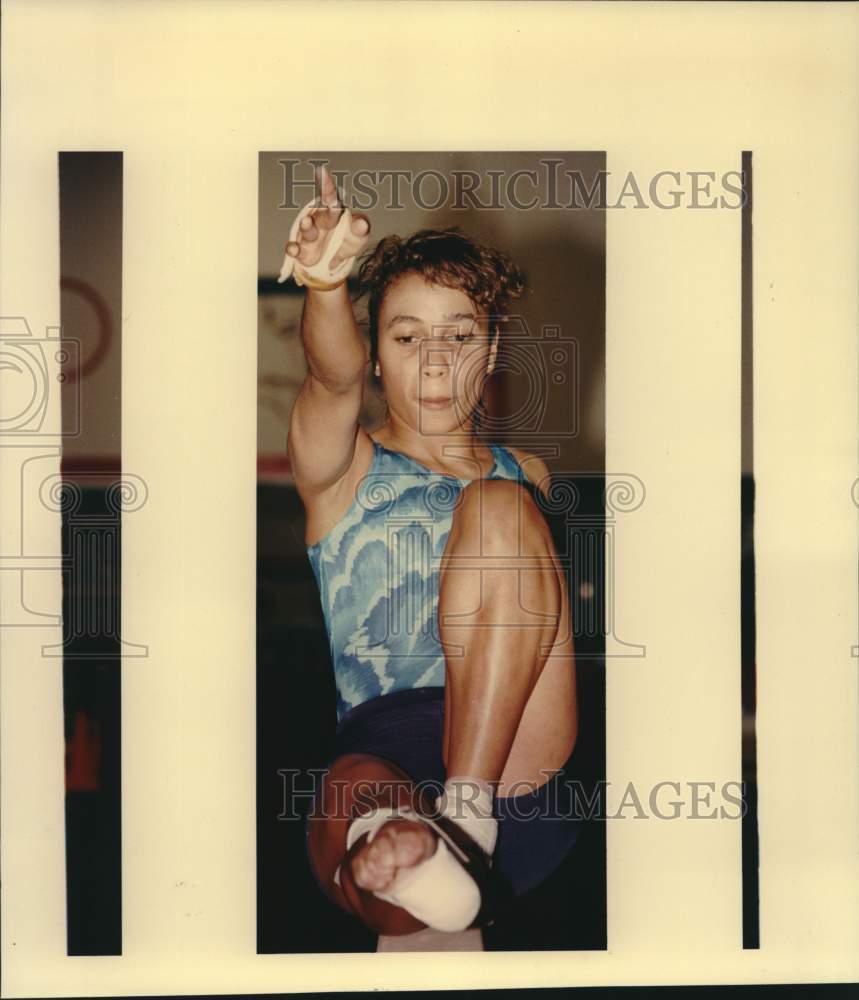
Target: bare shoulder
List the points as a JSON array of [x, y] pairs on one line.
[[325, 508], [534, 467]]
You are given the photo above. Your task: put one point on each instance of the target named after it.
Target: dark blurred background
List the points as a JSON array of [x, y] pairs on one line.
[[90, 189]]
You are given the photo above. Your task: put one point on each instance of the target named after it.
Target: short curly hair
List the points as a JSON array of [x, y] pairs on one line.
[[444, 257]]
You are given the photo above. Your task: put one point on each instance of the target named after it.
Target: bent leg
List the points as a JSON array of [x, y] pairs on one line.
[[500, 603]]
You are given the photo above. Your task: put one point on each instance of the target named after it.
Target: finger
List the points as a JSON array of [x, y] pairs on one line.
[[327, 187], [360, 225], [310, 252], [309, 231], [328, 214], [352, 244], [338, 258], [344, 252], [354, 241], [327, 217]]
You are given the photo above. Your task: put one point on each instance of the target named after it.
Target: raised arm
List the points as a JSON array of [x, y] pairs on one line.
[[324, 422]]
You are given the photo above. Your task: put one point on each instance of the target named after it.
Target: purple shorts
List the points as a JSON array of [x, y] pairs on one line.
[[536, 830]]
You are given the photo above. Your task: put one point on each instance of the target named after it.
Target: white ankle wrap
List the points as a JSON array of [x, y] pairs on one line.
[[438, 891], [468, 802]]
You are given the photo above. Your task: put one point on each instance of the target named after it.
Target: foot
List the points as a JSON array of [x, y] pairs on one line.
[[397, 847]]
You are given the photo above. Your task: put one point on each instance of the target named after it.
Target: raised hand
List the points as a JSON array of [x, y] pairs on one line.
[[316, 228]]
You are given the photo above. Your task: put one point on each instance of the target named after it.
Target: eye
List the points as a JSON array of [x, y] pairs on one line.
[[406, 338], [461, 338]]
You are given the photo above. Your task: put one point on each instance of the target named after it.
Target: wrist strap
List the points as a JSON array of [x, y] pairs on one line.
[[319, 275]]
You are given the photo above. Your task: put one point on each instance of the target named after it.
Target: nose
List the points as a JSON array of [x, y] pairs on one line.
[[437, 359]]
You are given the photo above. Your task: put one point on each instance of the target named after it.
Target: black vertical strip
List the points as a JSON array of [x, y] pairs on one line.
[[748, 624], [90, 186]]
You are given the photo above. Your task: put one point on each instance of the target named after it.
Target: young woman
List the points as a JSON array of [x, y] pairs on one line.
[[445, 604]]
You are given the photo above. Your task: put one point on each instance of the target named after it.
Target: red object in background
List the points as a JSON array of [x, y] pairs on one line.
[[83, 755], [104, 336]]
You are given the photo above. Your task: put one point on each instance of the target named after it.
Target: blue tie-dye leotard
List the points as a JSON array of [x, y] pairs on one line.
[[378, 575]]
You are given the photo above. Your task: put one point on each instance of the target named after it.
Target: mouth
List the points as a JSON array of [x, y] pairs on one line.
[[436, 402]]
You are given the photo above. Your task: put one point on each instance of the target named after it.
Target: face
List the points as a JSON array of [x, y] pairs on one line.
[[434, 355]]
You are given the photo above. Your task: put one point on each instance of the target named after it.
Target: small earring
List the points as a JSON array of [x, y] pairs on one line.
[[378, 370]]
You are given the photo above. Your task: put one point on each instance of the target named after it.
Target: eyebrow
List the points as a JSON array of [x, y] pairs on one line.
[[448, 318]]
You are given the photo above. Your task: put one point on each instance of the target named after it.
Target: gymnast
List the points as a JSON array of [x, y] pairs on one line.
[[444, 599]]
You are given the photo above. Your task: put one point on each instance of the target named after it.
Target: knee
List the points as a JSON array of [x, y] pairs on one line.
[[363, 781], [353, 767], [499, 517]]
